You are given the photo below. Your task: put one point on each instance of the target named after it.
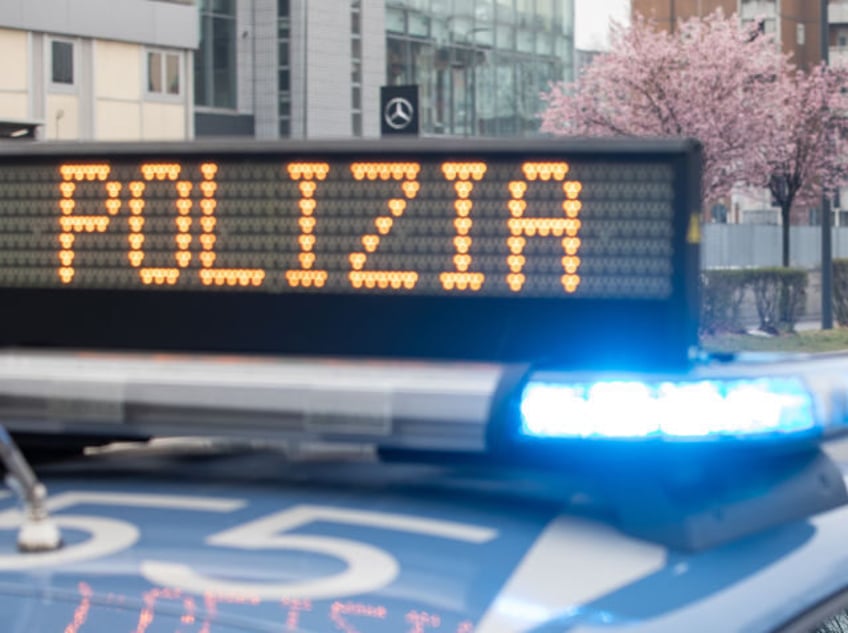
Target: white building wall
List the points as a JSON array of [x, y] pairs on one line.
[[108, 99], [299, 70], [13, 106], [118, 72], [63, 117], [328, 81], [118, 77], [38, 82], [118, 121], [163, 121], [373, 63], [141, 21], [14, 80], [265, 83], [246, 34]]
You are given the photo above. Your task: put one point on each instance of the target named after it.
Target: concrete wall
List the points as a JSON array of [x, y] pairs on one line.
[[118, 80], [806, 13], [108, 99], [263, 74], [791, 12], [663, 11], [140, 21], [14, 80], [328, 81], [62, 121], [373, 63], [745, 245], [163, 121]]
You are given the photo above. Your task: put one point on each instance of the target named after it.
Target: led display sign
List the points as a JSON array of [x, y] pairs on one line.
[[470, 251]]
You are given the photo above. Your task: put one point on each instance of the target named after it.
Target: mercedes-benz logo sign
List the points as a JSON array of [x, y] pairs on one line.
[[398, 113]]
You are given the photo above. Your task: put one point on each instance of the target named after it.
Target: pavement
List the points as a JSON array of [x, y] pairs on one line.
[[807, 325]]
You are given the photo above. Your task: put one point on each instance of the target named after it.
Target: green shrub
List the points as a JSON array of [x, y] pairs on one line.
[[840, 290], [779, 295], [722, 294]]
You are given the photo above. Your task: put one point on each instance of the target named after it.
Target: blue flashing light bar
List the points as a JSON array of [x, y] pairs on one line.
[[705, 410]]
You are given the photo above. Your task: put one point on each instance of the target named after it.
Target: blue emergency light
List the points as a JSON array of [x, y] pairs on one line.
[[700, 410], [688, 459]]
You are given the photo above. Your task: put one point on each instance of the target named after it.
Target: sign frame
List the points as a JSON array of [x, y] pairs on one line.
[[546, 332]]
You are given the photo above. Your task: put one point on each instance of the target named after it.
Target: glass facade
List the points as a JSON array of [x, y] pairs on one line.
[[215, 58], [480, 64], [356, 66], [284, 66]]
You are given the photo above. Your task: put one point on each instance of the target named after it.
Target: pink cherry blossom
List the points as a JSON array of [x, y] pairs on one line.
[[802, 152], [761, 121]]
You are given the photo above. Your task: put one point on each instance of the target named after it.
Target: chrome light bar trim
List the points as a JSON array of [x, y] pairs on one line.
[[411, 405]]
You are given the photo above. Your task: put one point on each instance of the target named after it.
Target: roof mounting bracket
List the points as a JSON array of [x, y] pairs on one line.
[[726, 500], [38, 533]]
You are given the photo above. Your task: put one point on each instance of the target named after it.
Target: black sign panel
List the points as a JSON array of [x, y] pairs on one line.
[[560, 253], [399, 110]]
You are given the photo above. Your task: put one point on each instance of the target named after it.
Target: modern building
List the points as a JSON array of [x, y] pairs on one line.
[[583, 58], [176, 69], [795, 23], [294, 68], [837, 14], [97, 69]]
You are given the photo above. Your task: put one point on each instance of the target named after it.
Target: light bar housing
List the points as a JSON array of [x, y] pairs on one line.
[[457, 412], [750, 402], [414, 406]]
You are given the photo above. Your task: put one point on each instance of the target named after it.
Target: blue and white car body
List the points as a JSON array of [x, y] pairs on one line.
[[188, 535]]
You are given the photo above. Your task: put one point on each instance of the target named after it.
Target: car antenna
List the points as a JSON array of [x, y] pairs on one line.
[[38, 532]]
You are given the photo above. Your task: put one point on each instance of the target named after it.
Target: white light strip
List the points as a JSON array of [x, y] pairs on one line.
[[704, 410]]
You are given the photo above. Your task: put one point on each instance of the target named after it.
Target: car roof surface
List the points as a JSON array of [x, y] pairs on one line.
[[482, 549]]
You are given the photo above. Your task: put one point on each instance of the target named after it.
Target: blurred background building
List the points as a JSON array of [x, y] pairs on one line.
[[97, 69], [176, 69], [795, 23], [293, 68]]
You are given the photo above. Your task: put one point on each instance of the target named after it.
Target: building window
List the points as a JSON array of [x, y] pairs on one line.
[[284, 67], [215, 59], [163, 73], [356, 66], [482, 66], [62, 62]]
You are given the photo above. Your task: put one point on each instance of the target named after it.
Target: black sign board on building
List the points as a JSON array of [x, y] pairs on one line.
[[398, 110]]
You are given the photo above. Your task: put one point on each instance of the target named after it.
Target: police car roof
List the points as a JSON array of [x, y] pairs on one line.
[[498, 551]]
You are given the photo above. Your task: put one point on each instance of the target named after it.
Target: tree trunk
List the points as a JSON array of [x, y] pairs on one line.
[[785, 210]]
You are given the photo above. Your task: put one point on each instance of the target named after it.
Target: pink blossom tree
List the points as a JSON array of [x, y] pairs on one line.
[[762, 122], [709, 80], [802, 153]]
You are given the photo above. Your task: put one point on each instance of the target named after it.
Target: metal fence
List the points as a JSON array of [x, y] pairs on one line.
[[744, 245]]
